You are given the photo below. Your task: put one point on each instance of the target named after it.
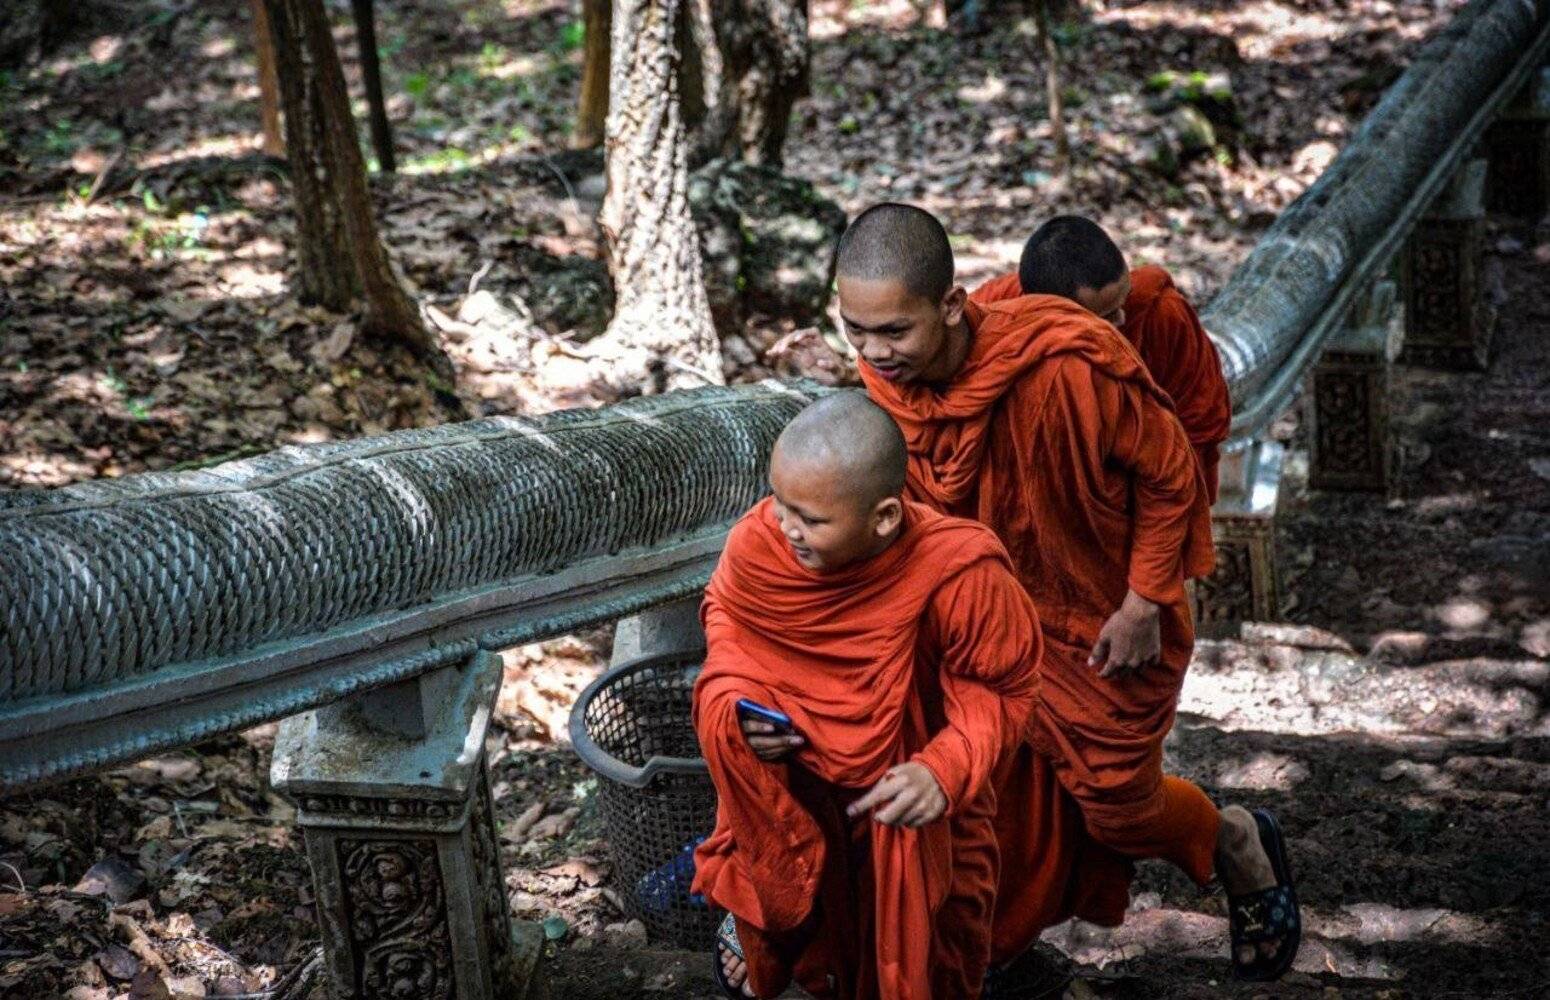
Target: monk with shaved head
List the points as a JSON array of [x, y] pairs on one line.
[[871, 666], [1071, 256], [1034, 416]]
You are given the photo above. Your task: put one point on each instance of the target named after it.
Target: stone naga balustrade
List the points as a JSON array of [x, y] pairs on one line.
[[1314, 283]]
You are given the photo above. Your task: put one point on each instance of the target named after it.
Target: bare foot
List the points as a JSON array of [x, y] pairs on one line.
[[736, 971], [1243, 866]]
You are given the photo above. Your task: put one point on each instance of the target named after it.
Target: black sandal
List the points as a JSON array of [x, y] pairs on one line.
[[1266, 915], [727, 942]]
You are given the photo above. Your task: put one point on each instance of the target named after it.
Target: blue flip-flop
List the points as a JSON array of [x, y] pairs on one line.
[[1266, 915]]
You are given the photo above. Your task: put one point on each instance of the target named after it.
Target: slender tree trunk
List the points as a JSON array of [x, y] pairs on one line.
[[661, 333], [339, 254], [717, 132], [324, 266], [371, 70], [592, 115], [268, 85], [1052, 86], [773, 77]]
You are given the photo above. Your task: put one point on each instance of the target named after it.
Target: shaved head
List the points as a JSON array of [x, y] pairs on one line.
[[852, 436], [894, 242], [1067, 254]]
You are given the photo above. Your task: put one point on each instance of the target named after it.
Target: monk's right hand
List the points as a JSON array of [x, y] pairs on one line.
[[767, 742]]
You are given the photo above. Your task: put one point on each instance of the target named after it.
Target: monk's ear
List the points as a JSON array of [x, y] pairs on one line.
[[952, 305], [887, 515]]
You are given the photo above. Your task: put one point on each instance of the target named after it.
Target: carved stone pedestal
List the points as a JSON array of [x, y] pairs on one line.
[[1518, 148], [395, 805], [1245, 585], [1448, 318], [1350, 447]]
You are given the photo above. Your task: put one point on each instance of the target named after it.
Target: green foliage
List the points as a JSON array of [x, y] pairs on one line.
[[1070, 34], [492, 57], [417, 84], [573, 36], [449, 160], [60, 139]]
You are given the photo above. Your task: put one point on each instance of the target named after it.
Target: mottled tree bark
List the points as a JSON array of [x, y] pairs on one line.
[[268, 84], [749, 67], [340, 256], [754, 65], [769, 61], [592, 115], [661, 335]]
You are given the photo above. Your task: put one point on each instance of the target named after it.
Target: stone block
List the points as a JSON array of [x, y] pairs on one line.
[[1349, 440], [1245, 586]]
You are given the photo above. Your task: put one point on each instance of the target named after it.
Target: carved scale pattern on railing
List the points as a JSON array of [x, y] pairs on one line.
[[106, 584], [1266, 321]]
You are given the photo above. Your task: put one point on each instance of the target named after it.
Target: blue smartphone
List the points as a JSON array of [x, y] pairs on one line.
[[752, 710]]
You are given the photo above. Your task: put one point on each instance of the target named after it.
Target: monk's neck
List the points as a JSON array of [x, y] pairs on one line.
[[955, 352], [882, 545]]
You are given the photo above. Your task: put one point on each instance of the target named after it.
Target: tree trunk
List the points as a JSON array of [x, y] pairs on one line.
[[773, 78], [268, 85], [1052, 87], [339, 254], [661, 333], [745, 66], [324, 270], [717, 132], [592, 115], [371, 72]]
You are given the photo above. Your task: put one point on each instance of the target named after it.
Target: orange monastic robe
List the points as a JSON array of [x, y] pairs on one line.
[[1054, 434], [1163, 327], [926, 652]]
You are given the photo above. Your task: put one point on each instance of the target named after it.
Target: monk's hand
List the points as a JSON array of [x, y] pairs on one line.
[[768, 742], [908, 795], [1130, 639]]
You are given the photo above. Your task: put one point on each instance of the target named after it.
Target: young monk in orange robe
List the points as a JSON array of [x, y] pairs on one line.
[[1074, 258], [857, 850], [1035, 417]]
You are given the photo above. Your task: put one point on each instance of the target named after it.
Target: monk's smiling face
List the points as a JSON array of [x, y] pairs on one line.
[[905, 337], [825, 514]]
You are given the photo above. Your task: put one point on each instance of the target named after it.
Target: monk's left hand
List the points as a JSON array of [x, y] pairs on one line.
[[1130, 639], [908, 795]]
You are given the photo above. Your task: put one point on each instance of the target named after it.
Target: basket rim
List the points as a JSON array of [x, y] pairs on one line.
[[606, 764]]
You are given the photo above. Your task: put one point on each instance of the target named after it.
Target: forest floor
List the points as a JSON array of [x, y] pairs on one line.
[[1399, 723]]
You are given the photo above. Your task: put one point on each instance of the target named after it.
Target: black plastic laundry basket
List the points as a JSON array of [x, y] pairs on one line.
[[632, 726]]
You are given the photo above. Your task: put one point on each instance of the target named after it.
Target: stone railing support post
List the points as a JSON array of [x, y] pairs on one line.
[[668, 628], [1518, 148], [394, 801], [1349, 443], [1448, 316], [1245, 585]]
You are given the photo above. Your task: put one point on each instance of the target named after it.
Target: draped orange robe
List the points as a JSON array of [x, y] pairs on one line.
[[926, 652], [1054, 434], [1163, 327]]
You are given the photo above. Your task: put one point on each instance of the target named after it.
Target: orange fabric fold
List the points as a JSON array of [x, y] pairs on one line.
[[1164, 329], [1055, 435], [927, 652]]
